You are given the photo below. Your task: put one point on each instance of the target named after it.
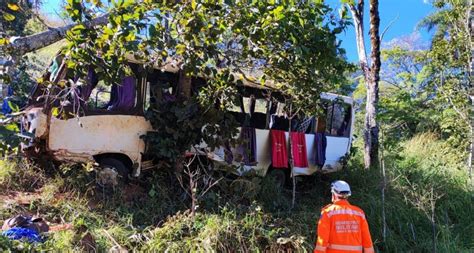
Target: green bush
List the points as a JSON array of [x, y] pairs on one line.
[[225, 231]]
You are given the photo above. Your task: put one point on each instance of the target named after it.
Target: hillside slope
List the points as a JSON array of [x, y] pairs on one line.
[[246, 214]]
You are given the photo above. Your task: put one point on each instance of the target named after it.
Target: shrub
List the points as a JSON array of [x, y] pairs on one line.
[[19, 174], [226, 231]]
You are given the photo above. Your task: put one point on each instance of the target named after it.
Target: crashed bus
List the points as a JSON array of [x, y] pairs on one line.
[[109, 123]]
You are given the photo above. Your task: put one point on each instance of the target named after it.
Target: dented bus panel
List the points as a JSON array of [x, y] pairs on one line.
[[107, 132], [84, 137], [81, 139]]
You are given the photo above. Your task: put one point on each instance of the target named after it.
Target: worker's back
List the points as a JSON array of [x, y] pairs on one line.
[[343, 228]]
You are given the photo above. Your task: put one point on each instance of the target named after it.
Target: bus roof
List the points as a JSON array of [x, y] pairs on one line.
[[172, 65]]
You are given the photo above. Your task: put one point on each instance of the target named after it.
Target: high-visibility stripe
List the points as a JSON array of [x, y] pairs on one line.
[[369, 250], [345, 247], [320, 248], [345, 211]]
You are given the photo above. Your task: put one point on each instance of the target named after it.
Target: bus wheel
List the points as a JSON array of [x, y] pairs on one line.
[[112, 173], [278, 176]]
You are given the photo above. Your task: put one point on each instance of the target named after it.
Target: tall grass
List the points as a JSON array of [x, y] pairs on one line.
[[253, 214], [423, 175]]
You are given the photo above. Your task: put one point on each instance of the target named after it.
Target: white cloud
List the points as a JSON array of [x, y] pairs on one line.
[[412, 41]]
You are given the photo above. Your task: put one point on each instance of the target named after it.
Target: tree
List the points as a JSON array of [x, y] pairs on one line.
[[371, 75], [451, 64], [406, 106]]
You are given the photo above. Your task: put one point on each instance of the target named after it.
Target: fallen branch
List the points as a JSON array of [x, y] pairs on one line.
[[22, 45]]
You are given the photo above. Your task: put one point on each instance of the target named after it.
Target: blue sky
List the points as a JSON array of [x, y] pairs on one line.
[[409, 13], [405, 15]]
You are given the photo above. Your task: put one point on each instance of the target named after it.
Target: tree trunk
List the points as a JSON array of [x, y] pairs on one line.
[[371, 131], [470, 27], [291, 158], [371, 76], [22, 45], [358, 18]]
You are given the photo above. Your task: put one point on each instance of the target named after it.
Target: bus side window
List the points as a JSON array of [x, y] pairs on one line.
[[100, 96], [338, 119]]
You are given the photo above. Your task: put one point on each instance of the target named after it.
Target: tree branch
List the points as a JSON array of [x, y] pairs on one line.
[[388, 26], [22, 45]]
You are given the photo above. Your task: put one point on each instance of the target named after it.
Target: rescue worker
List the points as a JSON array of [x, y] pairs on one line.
[[342, 227]]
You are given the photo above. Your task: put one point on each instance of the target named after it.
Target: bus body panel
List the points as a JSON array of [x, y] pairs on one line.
[[80, 139], [337, 148]]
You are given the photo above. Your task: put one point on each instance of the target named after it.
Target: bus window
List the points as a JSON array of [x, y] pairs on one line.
[[261, 105], [278, 120], [100, 97], [255, 112], [338, 119], [280, 109]]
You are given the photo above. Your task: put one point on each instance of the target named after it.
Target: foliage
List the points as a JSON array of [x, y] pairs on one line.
[[179, 125], [425, 88], [448, 68], [10, 141], [14, 17], [423, 98], [292, 43], [18, 18], [424, 171], [223, 231], [415, 98], [18, 175]]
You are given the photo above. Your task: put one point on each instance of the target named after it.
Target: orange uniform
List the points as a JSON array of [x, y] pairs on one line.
[[343, 228]]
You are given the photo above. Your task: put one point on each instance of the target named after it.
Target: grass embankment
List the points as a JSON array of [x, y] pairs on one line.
[[249, 214]]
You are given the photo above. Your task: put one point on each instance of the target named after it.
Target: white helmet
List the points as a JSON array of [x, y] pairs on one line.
[[341, 188]]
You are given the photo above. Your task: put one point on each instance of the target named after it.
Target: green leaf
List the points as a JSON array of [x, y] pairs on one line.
[[14, 107], [8, 17], [13, 7], [3, 41], [174, 34], [12, 127], [180, 49], [278, 12], [152, 193], [301, 21], [78, 29], [55, 111]]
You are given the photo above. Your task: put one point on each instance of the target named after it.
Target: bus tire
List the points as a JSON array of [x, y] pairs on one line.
[[112, 173]]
